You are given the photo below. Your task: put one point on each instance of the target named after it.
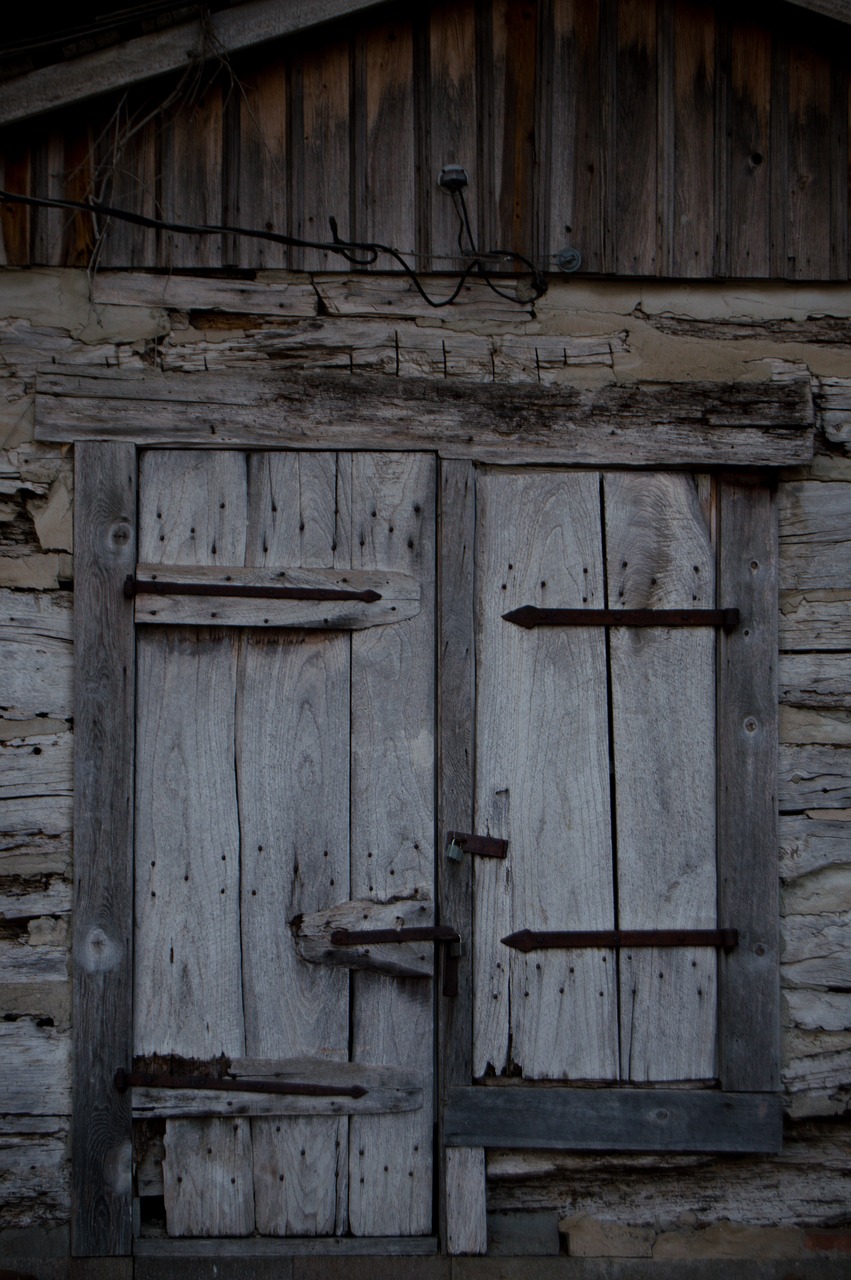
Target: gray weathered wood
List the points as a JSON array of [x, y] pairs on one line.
[[660, 556], [542, 782], [815, 535], [392, 828], [188, 971], [814, 777], [34, 1069], [674, 423], [747, 806], [35, 632], [293, 762], [456, 746], [388, 1089], [819, 680], [400, 597], [206, 1189], [808, 845], [105, 525], [151, 55], [36, 784], [618, 1119], [312, 936], [466, 1201], [815, 619]]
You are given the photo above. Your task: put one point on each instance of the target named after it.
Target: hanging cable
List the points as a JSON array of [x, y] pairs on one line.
[[357, 253]]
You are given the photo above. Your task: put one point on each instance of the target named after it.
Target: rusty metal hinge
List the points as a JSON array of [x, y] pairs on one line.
[[529, 615], [439, 933], [244, 590], [125, 1080], [458, 842], [530, 940]]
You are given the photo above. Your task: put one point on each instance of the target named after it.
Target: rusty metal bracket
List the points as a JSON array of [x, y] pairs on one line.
[[243, 590], [439, 933], [482, 846], [125, 1080], [530, 940], [529, 616]]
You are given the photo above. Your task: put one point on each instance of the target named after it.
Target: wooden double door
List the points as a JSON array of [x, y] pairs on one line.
[[286, 783]]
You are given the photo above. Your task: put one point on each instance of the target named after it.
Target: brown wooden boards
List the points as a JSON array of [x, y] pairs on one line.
[[105, 507], [271, 724]]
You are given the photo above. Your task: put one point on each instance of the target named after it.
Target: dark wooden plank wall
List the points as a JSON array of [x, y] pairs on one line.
[[677, 138]]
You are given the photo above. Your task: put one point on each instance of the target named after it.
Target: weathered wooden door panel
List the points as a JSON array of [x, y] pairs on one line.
[[281, 773], [595, 759]]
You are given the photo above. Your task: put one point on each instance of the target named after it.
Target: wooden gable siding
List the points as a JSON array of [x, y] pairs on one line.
[[659, 137]]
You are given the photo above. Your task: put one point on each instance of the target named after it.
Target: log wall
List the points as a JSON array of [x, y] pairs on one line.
[[584, 334], [662, 138]]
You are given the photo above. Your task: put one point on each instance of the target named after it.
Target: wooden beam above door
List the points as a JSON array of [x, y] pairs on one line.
[[761, 424]]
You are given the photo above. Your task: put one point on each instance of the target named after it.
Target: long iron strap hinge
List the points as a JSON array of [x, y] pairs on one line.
[[530, 940], [242, 590], [125, 1080], [529, 616], [439, 933]]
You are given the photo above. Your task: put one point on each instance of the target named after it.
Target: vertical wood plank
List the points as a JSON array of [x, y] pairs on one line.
[[456, 745], [78, 231], [663, 717], [748, 889], [127, 179], [839, 194], [542, 782], [321, 179], [15, 218], [105, 552], [751, 152], [389, 167], [809, 222], [466, 1204], [635, 141], [188, 972], [692, 230], [779, 141], [392, 830], [48, 175], [452, 124], [515, 57], [191, 179], [293, 767], [585, 229], [259, 196]]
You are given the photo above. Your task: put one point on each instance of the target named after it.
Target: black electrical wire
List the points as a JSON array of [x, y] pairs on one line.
[[359, 254]]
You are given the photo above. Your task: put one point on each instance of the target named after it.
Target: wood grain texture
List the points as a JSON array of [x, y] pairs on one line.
[[660, 556], [312, 936], [384, 169], [688, 424], [692, 230], [466, 1205], [815, 542], [808, 212], [257, 155], [617, 1119], [392, 828], [321, 93], [456, 755], [399, 596], [452, 125], [636, 180], [206, 1190], [127, 160], [293, 761], [542, 782], [191, 178], [105, 524], [35, 632], [750, 193], [747, 806]]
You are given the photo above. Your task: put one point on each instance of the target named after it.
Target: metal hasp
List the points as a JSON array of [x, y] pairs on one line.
[[125, 1080], [529, 615], [529, 940], [159, 587], [482, 846], [440, 933]]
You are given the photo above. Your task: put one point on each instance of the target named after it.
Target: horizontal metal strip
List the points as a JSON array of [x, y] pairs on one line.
[[530, 940], [612, 1119], [323, 599], [529, 616], [125, 1080]]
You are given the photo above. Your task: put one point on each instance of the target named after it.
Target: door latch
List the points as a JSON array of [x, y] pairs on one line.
[[439, 933]]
